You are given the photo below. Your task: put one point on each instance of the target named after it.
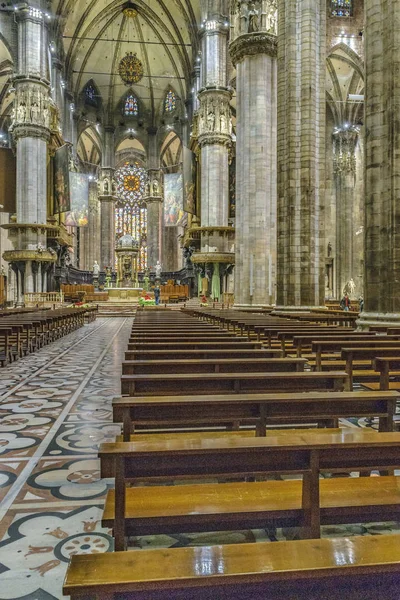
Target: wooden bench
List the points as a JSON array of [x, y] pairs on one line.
[[355, 568], [319, 347], [303, 454], [350, 355], [385, 365], [307, 342], [259, 410], [235, 344], [141, 354], [222, 365], [219, 383]]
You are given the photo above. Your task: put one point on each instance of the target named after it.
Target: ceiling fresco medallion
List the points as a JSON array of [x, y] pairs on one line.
[[130, 69]]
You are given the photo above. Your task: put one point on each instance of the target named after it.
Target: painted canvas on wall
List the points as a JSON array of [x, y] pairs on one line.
[[189, 181], [173, 202], [62, 197], [78, 216]]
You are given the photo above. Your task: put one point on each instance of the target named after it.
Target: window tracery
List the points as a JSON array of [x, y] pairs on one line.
[[131, 106], [131, 211], [91, 95], [170, 102], [342, 8]]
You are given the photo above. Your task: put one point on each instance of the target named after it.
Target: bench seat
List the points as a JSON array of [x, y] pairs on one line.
[[355, 568], [225, 506], [373, 386], [168, 436]]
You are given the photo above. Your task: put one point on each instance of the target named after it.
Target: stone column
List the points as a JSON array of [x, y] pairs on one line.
[[214, 138], [154, 198], [31, 132], [254, 51], [344, 142], [382, 158], [107, 190], [58, 89], [301, 153], [94, 226]]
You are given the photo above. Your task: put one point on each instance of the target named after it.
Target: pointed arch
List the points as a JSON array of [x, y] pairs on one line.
[[91, 94], [170, 101], [171, 150], [129, 104]]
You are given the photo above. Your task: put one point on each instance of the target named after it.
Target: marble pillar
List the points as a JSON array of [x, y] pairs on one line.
[[94, 226], [31, 117], [345, 141], [301, 154], [108, 198], [254, 55], [154, 202], [154, 198], [382, 158], [214, 131]]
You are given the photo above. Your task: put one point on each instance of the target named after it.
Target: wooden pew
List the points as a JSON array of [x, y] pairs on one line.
[[161, 354], [222, 365], [385, 365], [355, 568], [350, 355], [220, 383], [259, 410], [235, 344], [305, 342], [320, 346], [305, 454]]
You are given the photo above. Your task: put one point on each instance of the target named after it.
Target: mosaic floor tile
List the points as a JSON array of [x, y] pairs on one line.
[[52, 505]]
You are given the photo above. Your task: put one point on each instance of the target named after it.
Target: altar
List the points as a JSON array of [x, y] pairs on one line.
[[124, 294]]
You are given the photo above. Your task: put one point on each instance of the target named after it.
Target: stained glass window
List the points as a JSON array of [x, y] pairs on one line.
[[170, 102], [131, 106], [91, 95], [131, 211], [342, 8]]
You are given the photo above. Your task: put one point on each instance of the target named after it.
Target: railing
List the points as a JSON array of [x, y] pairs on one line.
[[44, 298]]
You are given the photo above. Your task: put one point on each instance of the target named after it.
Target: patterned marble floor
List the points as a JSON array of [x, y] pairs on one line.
[[55, 410]]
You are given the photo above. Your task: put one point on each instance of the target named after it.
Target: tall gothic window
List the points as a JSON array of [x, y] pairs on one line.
[[91, 95], [131, 211], [170, 102], [342, 8], [131, 106]]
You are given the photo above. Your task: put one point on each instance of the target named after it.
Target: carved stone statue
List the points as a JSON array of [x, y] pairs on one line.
[[114, 187], [156, 189], [46, 116], [223, 121], [349, 288], [96, 269], [147, 189], [253, 19], [211, 121], [244, 17], [201, 123], [35, 113], [21, 113], [158, 269], [106, 186]]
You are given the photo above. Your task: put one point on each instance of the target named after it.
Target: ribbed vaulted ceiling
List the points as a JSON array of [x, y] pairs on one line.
[[97, 35]]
